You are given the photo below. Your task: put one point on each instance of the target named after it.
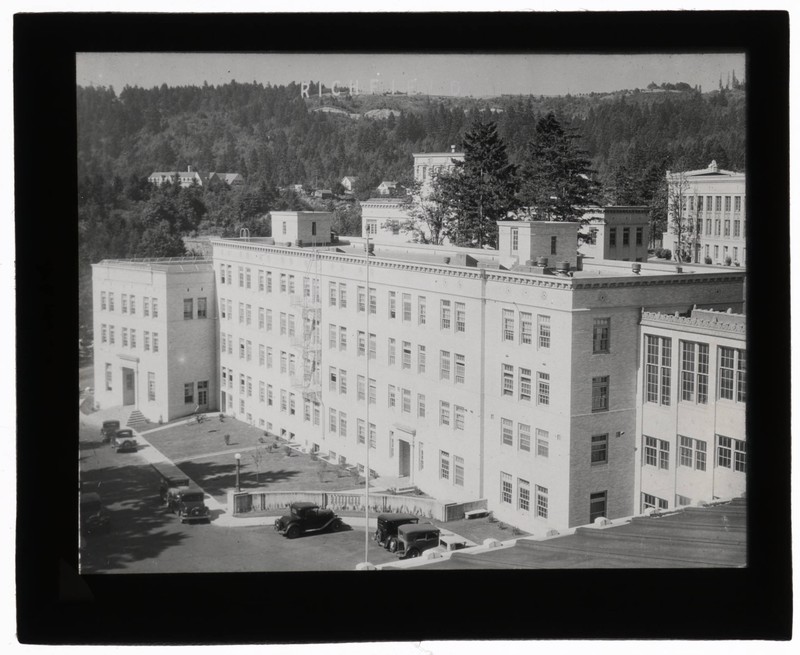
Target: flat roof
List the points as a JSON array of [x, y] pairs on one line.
[[171, 264]]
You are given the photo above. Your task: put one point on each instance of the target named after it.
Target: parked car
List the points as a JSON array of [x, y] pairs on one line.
[[108, 430], [124, 441], [415, 539], [307, 517], [188, 503], [169, 477], [386, 534], [93, 515]]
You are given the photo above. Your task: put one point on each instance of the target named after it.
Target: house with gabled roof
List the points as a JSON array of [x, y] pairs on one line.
[[184, 178]]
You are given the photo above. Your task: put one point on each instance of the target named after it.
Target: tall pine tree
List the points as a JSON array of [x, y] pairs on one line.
[[556, 174], [480, 190]]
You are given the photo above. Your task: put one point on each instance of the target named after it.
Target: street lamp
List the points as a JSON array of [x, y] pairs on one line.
[[238, 468]]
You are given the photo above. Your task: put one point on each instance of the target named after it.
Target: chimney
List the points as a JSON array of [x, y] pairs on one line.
[[188, 169]]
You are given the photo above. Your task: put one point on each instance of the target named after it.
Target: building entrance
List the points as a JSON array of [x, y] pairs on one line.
[[405, 458], [128, 386]]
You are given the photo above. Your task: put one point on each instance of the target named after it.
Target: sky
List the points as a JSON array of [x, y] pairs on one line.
[[458, 75]]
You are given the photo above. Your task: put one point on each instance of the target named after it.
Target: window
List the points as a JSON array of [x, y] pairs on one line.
[[332, 376], [599, 449], [391, 351], [542, 443], [717, 226], [406, 396], [343, 338], [658, 369], [361, 299], [407, 307], [248, 313], [360, 341], [601, 332], [361, 431], [639, 235], [249, 350], [392, 304], [109, 374], [626, 236], [262, 391], [507, 431], [342, 424], [727, 228], [406, 363], [444, 413], [525, 384], [332, 294], [553, 245], [523, 495], [524, 437], [124, 303], [146, 340], [332, 336], [514, 238], [342, 381], [155, 342], [241, 276], [373, 347], [373, 391], [269, 395], [421, 310], [269, 356], [188, 308], [508, 325], [421, 359], [461, 317], [508, 380], [111, 334], [392, 401], [361, 388], [597, 505], [125, 337], [652, 502], [249, 387], [269, 281], [146, 306], [526, 328], [103, 300], [656, 452], [458, 470], [692, 453], [421, 405], [283, 323], [343, 295], [732, 374], [332, 422], [461, 369], [421, 464], [133, 338], [506, 488], [612, 237], [373, 301], [111, 301], [541, 502], [104, 333], [543, 388], [444, 365], [151, 386], [202, 392], [444, 314], [444, 465], [242, 385], [543, 323], [373, 443], [731, 449], [600, 394], [694, 372]]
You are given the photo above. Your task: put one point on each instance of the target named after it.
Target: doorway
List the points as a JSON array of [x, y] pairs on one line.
[[405, 458], [128, 386]]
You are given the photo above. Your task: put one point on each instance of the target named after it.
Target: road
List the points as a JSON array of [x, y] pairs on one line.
[[144, 537]]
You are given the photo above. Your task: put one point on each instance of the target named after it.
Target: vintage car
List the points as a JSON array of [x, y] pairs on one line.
[[307, 517], [108, 430], [169, 477], [386, 534], [415, 539], [93, 515], [124, 441], [188, 503]]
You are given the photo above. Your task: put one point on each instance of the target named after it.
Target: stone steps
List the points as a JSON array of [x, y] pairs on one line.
[[136, 420]]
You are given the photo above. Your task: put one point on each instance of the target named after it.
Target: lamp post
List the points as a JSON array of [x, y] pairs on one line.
[[238, 468]]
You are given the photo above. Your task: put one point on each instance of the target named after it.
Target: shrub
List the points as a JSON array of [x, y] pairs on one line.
[[708, 260], [667, 253], [287, 451], [728, 260], [227, 439], [660, 253]]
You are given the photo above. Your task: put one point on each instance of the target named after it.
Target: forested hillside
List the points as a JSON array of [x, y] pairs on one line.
[[275, 138]]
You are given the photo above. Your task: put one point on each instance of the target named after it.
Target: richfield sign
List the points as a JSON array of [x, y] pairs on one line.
[[375, 87]]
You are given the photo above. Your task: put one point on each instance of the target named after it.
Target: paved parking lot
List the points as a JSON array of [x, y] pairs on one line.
[[145, 537]]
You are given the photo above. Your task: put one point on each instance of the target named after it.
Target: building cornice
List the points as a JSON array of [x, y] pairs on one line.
[[693, 324]]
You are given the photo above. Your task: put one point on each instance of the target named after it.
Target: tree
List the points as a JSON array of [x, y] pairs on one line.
[[681, 223], [428, 216], [480, 190], [161, 241], [556, 174]]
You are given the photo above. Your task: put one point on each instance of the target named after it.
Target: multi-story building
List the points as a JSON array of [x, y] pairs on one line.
[[469, 373], [184, 178], [618, 232], [384, 219], [692, 397], [427, 165], [712, 204], [156, 343]]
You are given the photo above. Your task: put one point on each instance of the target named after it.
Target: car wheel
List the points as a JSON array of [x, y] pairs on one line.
[[377, 536], [292, 532], [337, 526], [391, 545], [413, 553]]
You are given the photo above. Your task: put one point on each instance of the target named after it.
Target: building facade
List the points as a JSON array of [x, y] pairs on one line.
[[618, 232], [712, 204], [184, 178], [692, 396], [427, 165], [383, 219], [466, 374], [156, 343]]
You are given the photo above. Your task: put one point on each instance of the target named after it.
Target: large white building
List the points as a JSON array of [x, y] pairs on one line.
[[467, 373], [155, 326], [712, 202]]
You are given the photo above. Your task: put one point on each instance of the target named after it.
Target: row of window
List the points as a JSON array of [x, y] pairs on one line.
[[151, 382], [731, 453], [734, 252], [202, 393], [694, 371], [524, 500], [188, 308], [128, 337], [128, 304], [720, 228], [451, 467], [626, 236], [712, 203], [523, 437]]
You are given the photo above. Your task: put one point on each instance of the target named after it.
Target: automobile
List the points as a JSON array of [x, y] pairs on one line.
[[386, 534], [188, 503], [124, 441], [93, 516], [307, 517], [108, 430], [169, 477], [415, 539]]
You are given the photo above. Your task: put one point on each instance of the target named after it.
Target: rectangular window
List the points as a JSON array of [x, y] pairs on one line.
[[444, 365], [543, 323], [731, 452], [656, 452], [332, 422], [373, 301], [459, 414], [526, 328], [392, 401], [732, 374], [524, 437], [133, 338], [111, 301], [133, 304], [188, 310], [373, 347], [658, 369], [407, 307], [692, 453], [626, 236], [155, 342], [202, 392], [373, 391], [249, 387], [342, 424], [361, 299], [249, 350], [269, 395], [421, 315], [104, 333], [343, 295], [601, 335], [639, 235], [597, 505], [406, 400], [652, 502], [332, 294], [506, 488], [361, 387], [421, 405], [373, 441], [737, 203], [103, 300], [543, 388], [342, 381], [241, 276], [421, 356], [146, 306], [523, 495], [458, 470], [717, 226], [391, 351], [269, 356], [599, 449], [600, 394], [392, 304], [361, 431], [146, 340], [541, 502], [461, 369], [332, 336], [151, 386], [282, 323], [461, 317], [444, 465], [507, 431], [444, 413], [525, 384], [507, 382], [125, 337], [508, 325], [444, 313], [332, 376], [109, 374], [406, 363], [694, 372], [125, 303], [612, 237], [343, 339], [248, 313], [553, 245], [514, 238], [542, 443]]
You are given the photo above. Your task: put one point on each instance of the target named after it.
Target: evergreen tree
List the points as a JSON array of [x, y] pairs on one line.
[[480, 190], [556, 174]]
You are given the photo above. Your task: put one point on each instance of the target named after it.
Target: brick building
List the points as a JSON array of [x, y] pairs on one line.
[[155, 322]]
